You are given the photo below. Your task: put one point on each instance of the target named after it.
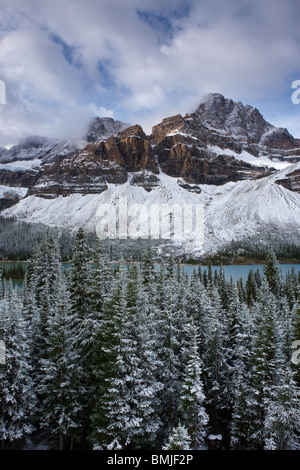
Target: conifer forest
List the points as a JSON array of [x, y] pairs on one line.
[[137, 358]]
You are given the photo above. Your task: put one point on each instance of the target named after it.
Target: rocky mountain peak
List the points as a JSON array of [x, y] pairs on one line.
[[233, 118], [103, 128], [167, 127], [132, 131]]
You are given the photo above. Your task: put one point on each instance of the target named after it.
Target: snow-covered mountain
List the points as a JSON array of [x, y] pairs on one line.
[[232, 211], [223, 157]]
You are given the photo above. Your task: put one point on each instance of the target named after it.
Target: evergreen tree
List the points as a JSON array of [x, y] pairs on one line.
[[179, 439], [272, 273], [265, 359], [105, 368], [130, 397], [59, 380], [251, 288], [172, 342], [239, 354], [192, 411], [282, 422], [295, 336], [40, 298], [17, 393], [215, 363], [83, 331]]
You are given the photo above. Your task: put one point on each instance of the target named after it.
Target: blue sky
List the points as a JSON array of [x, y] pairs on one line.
[[142, 60]]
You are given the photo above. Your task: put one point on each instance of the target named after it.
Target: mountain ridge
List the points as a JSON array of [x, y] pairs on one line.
[[222, 144]]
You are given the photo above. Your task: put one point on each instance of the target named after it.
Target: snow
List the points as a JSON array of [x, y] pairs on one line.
[[178, 132], [245, 208], [13, 191], [248, 158], [231, 211], [215, 437], [21, 165]]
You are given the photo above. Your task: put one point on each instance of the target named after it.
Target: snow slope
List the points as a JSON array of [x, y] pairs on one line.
[[246, 208], [248, 158], [21, 165], [231, 211]]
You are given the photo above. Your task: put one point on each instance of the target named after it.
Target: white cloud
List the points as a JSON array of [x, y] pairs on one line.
[[100, 111], [138, 60]]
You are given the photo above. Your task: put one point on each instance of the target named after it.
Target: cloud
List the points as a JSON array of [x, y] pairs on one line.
[[139, 60]]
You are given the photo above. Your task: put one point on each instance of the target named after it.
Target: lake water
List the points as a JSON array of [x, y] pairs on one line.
[[236, 271], [242, 271]]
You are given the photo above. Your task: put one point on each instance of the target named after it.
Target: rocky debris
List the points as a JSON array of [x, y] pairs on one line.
[[291, 181], [145, 179]]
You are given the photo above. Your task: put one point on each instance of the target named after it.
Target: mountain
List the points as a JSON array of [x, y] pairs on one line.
[[224, 156]]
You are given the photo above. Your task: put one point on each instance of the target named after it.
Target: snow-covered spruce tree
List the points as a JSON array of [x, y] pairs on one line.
[[291, 287], [282, 425], [285, 324], [17, 391], [40, 297], [125, 409], [58, 385], [224, 287], [138, 365], [272, 273], [148, 266], [191, 409], [240, 332], [282, 422], [197, 307], [295, 336], [178, 439], [105, 368], [251, 288], [172, 341], [102, 275], [215, 366], [266, 357], [83, 331]]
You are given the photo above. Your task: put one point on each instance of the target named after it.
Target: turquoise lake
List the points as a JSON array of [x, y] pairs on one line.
[[236, 271]]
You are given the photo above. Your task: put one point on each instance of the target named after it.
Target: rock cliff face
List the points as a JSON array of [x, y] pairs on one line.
[[221, 141], [197, 146], [291, 181]]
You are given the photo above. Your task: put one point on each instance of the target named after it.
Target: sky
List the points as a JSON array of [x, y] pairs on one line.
[[139, 61]]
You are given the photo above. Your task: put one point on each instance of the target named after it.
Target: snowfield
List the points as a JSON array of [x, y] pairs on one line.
[[15, 191], [232, 211], [21, 165]]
